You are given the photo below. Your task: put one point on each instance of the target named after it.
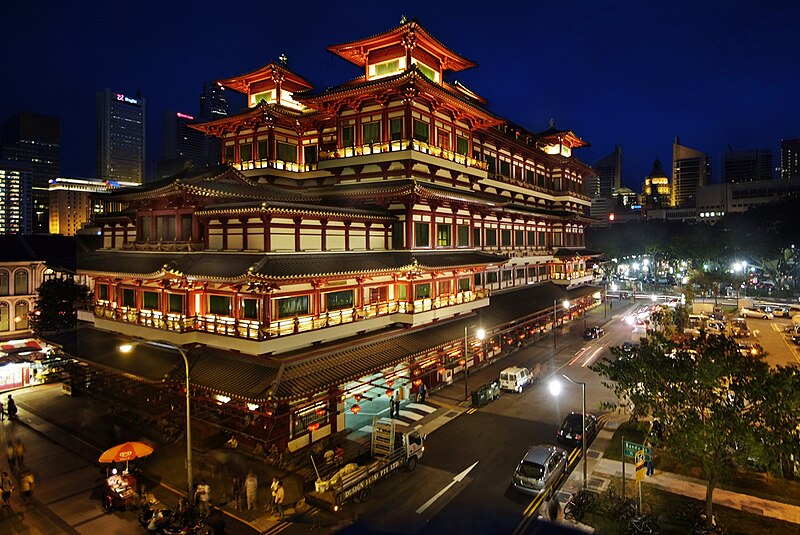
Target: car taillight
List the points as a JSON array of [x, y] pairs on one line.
[[578, 437]]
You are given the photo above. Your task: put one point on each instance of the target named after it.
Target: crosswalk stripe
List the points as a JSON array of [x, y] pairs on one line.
[[421, 407], [412, 415]]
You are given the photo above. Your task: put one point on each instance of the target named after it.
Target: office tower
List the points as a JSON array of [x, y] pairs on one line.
[[121, 131], [16, 206], [34, 138], [746, 165], [790, 158], [213, 106], [657, 191], [609, 172], [691, 169], [184, 147], [70, 204]]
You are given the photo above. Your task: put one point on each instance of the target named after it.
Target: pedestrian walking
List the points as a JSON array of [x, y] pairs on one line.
[[202, 495], [236, 492], [26, 484], [19, 450], [6, 487], [649, 464], [11, 408], [273, 491], [423, 392], [279, 497], [2, 412], [553, 508], [251, 490]]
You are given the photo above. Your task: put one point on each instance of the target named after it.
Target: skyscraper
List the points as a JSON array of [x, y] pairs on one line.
[[16, 207], [183, 146], [36, 139], [657, 192], [609, 171], [691, 169], [120, 137], [746, 165], [790, 158], [213, 106]]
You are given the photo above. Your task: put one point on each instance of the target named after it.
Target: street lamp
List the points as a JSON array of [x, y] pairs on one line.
[[565, 303], [555, 389], [127, 348], [480, 334]]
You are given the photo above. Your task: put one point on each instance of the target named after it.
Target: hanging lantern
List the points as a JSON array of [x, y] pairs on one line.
[[389, 393], [441, 370], [390, 383], [417, 371], [355, 409], [313, 427], [321, 412], [462, 362], [417, 382], [358, 397]]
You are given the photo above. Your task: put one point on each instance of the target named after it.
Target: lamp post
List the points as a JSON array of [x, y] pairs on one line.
[[555, 389], [127, 348], [480, 334], [565, 303]]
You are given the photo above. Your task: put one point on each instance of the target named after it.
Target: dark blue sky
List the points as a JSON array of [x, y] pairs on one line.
[[628, 72]]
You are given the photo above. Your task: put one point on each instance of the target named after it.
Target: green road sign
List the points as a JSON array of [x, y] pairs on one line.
[[632, 447]]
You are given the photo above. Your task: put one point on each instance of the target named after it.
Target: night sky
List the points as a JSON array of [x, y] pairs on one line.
[[633, 73]]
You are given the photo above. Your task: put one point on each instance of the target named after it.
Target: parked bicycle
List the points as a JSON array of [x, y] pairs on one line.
[[579, 504]]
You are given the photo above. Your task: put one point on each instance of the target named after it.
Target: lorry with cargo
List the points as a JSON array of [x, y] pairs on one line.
[[394, 446]]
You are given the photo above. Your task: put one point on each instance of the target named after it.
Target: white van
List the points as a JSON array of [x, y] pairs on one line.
[[515, 378]]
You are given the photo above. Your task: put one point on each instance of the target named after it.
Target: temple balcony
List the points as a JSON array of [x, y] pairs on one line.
[[168, 246], [329, 158], [280, 165], [573, 278], [285, 334]]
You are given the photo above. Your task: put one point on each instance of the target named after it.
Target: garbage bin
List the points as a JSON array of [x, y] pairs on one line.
[[479, 397], [492, 390]]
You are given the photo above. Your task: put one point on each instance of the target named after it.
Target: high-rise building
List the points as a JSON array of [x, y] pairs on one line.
[[34, 138], [184, 147], [121, 131], [71, 205], [691, 169], [213, 106], [16, 206], [790, 158], [746, 165], [657, 191], [609, 172]]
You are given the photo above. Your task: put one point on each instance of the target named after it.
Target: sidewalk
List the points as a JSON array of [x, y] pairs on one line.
[[601, 471]]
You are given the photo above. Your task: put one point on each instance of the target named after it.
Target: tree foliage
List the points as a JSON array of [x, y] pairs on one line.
[[56, 304]]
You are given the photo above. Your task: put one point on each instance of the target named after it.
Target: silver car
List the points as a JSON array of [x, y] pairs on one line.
[[541, 468]]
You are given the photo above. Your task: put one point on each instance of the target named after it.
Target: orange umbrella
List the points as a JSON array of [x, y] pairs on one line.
[[125, 452]]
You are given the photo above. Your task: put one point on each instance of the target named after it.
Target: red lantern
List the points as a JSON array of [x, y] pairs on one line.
[[358, 397], [441, 370], [389, 393], [417, 382], [390, 383], [462, 362], [355, 409], [321, 412], [313, 427], [417, 371]]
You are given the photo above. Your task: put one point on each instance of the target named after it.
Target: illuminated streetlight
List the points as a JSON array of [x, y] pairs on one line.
[[480, 334], [555, 390]]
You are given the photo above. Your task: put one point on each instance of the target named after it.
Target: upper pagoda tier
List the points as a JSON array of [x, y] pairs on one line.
[[272, 83], [561, 141], [397, 49]]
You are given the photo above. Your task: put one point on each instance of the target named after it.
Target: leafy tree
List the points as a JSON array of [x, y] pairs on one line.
[[699, 391], [56, 305]]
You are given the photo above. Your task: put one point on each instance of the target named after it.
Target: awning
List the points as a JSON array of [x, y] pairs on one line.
[[12, 347]]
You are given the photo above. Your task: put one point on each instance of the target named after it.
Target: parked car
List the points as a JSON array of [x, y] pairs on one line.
[[739, 328], [515, 378], [593, 332], [541, 468], [782, 312], [756, 313], [750, 349], [571, 431]]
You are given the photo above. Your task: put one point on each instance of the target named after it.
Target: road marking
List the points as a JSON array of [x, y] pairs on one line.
[[472, 410], [592, 357], [456, 479], [410, 415], [577, 356], [421, 407]]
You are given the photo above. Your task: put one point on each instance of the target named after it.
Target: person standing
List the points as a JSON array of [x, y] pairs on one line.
[[202, 495], [26, 485], [6, 486], [423, 392], [279, 497], [19, 449], [11, 408], [2, 412], [251, 490], [236, 492], [273, 490]]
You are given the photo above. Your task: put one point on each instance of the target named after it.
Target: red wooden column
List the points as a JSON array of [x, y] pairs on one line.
[[367, 226], [297, 222], [266, 220], [113, 235], [243, 221], [323, 234], [347, 235]]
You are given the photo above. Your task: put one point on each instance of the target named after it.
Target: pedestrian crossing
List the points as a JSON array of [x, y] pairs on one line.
[[409, 414]]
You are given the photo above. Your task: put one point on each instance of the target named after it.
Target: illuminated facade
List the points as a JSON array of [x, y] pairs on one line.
[[393, 201], [70, 203], [691, 170], [16, 205], [656, 190], [121, 141]]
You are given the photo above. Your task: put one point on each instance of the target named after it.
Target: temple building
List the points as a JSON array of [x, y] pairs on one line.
[[346, 245]]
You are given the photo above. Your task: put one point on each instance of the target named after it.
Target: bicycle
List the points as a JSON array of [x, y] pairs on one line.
[[579, 504], [643, 524]]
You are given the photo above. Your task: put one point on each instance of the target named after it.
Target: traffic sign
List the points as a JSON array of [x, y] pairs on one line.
[[641, 467], [632, 447]]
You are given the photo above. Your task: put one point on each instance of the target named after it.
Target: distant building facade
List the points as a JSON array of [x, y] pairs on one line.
[[16, 197], [691, 170], [790, 158], [609, 173], [70, 203], [746, 165], [657, 191], [36, 139], [715, 201], [184, 147], [213, 106], [121, 141]]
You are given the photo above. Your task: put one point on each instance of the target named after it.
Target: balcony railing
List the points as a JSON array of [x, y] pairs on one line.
[[402, 145], [274, 164], [254, 330]]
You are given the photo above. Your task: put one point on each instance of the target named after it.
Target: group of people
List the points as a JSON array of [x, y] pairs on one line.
[[15, 452], [249, 486], [10, 409]]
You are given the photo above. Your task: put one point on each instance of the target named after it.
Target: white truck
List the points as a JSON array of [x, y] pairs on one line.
[[394, 446]]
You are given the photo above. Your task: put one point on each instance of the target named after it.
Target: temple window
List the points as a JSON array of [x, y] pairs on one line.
[[463, 284], [165, 228], [387, 68], [339, 300], [230, 153], [371, 132], [292, 306], [186, 227], [310, 154], [507, 275], [286, 152], [267, 96], [476, 236], [478, 279], [542, 242], [102, 292], [491, 163], [396, 129], [402, 292], [150, 300], [145, 224], [505, 168], [491, 277], [463, 235], [557, 239], [422, 291], [519, 238], [348, 137], [245, 151], [263, 151], [462, 145], [427, 71], [378, 295], [422, 235], [505, 238], [491, 237], [530, 176], [175, 303], [541, 180], [249, 309], [219, 304], [20, 282], [443, 138], [531, 238], [521, 274], [443, 235], [421, 131], [21, 315], [128, 298], [443, 288], [3, 282]]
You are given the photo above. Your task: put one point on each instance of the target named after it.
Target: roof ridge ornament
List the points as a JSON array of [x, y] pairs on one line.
[[284, 61], [403, 19], [552, 123]]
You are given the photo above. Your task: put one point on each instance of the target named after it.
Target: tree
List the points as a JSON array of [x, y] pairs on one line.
[[700, 391], [56, 305]]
